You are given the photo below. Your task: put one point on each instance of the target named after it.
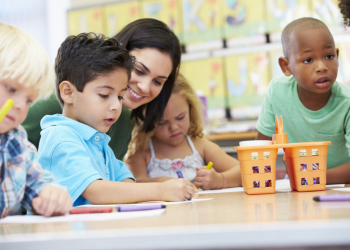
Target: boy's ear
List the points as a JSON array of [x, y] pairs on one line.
[[67, 91], [337, 51], [284, 65]]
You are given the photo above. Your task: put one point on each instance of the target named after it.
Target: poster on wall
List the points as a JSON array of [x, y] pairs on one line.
[[167, 11], [85, 20], [242, 18], [280, 12], [117, 16], [328, 12], [274, 65], [247, 77], [206, 76], [344, 63], [202, 20]]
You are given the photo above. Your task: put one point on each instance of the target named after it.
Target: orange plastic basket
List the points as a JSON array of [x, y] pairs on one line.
[[258, 169], [306, 163], [307, 166]]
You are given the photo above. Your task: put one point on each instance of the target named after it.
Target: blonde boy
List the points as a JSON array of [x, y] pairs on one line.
[[26, 76]]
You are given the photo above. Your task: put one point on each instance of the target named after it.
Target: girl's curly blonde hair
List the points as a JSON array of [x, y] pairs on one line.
[[140, 140]]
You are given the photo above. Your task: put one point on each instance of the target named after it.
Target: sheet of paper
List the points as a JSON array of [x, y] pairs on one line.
[[225, 190], [332, 186], [141, 204], [341, 189], [80, 217]]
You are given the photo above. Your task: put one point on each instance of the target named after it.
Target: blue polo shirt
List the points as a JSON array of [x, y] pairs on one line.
[[77, 155]]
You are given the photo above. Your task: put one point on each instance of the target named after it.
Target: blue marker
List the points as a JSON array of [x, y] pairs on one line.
[[179, 174]]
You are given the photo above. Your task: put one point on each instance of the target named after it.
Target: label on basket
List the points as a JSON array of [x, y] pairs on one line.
[[314, 152], [302, 152], [255, 155], [266, 155]]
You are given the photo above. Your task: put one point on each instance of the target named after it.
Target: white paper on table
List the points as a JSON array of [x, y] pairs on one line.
[[80, 217], [341, 189], [225, 190], [152, 202], [331, 186], [282, 185]]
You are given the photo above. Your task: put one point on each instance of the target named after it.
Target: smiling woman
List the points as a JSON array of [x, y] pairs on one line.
[[158, 54]]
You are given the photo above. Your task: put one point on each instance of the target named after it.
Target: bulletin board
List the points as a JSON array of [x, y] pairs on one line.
[[207, 77], [202, 20], [167, 11], [247, 77], [85, 20], [275, 68], [242, 18], [280, 12], [117, 16], [327, 11], [344, 63]]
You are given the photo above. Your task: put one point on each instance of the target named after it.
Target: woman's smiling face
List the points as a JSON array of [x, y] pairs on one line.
[[152, 69]]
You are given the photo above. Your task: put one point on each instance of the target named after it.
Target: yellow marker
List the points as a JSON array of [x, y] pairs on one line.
[[6, 108], [210, 164]]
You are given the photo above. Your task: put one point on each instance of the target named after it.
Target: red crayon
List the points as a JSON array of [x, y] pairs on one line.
[[91, 210]]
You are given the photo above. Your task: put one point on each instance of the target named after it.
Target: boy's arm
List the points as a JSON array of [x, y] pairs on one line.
[[223, 164], [340, 174], [260, 136], [42, 195], [114, 192], [138, 167]]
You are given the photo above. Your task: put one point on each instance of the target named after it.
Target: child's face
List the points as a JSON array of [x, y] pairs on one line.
[[152, 69], [175, 123], [313, 60], [100, 103], [22, 96]]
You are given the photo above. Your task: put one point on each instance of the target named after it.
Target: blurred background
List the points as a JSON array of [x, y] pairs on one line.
[[230, 47]]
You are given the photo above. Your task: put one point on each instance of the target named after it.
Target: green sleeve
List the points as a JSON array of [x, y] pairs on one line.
[[120, 133], [36, 112]]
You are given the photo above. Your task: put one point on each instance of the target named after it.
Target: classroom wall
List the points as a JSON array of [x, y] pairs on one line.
[[231, 46]]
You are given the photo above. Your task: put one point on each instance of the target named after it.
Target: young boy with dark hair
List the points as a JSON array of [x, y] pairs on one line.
[[313, 105], [26, 75], [92, 77]]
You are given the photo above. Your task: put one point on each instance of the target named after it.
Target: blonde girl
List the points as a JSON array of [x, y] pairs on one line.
[[177, 143]]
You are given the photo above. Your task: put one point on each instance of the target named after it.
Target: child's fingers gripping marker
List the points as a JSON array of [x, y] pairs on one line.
[[180, 175], [210, 164]]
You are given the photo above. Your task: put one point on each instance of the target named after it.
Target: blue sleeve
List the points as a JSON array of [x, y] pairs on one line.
[[71, 166], [121, 171]]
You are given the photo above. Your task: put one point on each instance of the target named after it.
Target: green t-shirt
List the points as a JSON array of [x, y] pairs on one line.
[[331, 123], [120, 131]]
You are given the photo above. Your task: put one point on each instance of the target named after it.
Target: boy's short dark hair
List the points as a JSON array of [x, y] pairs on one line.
[[82, 58], [298, 25]]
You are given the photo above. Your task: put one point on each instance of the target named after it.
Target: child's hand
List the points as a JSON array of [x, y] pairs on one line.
[[52, 201], [208, 179], [177, 190]]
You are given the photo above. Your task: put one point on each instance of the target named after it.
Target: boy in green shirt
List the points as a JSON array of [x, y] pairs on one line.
[[313, 105]]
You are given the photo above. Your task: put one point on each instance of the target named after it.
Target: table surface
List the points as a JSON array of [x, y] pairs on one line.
[[228, 220]]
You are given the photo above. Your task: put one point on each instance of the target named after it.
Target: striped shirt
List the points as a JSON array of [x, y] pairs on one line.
[[21, 176]]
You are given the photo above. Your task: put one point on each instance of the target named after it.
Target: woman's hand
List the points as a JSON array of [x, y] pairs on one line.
[[52, 201], [208, 179]]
